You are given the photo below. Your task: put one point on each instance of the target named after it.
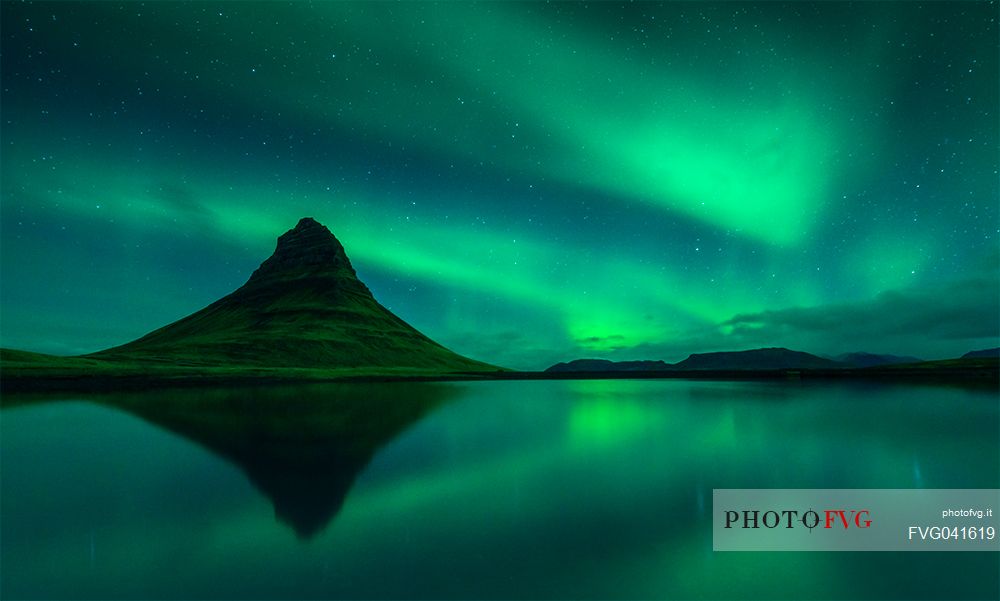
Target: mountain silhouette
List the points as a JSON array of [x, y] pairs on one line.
[[990, 353], [764, 358], [303, 307], [597, 365]]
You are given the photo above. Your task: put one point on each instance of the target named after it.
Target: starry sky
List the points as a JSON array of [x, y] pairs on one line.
[[525, 183]]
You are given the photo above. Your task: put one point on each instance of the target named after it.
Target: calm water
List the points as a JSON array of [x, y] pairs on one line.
[[591, 489]]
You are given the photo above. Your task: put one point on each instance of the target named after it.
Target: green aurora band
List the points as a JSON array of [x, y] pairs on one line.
[[627, 182]]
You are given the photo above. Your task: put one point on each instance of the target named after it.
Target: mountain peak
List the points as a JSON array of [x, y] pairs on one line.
[[303, 307], [307, 249], [308, 222]]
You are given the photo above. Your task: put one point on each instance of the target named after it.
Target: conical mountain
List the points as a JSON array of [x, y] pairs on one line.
[[303, 307]]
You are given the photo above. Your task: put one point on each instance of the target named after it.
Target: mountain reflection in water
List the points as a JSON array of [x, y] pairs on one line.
[[302, 447]]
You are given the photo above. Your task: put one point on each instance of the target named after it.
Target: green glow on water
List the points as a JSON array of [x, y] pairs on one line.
[[516, 490]]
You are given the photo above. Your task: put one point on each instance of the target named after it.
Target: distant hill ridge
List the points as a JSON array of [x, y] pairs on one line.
[[990, 353], [605, 365], [764, 358], [774, 358], [871, 359]]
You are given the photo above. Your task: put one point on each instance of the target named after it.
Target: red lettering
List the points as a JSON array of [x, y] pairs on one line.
[[857, 519], [831, 515]]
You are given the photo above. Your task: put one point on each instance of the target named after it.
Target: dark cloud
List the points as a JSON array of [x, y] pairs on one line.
[[600, 339], [965, 310], [929, 322]]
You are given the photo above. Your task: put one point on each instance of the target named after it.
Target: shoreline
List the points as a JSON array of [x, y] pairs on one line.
[[979, 372]]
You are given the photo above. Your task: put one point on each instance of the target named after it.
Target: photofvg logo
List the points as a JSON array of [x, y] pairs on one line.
[[855, 520], [787, 518]]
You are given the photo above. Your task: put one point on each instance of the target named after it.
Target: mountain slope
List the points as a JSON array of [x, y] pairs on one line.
[[303, 307]]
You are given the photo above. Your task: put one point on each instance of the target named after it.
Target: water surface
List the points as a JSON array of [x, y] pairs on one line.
[[562, 489]]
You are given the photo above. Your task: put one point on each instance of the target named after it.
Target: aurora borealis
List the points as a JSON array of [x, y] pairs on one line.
[[525, 183]]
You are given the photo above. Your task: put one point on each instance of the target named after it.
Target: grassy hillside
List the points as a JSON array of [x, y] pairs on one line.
[[302, 315], [308, 326], [25, 371], [303, 308]]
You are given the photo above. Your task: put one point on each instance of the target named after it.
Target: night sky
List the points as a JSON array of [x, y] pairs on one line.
[[524, 183]]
